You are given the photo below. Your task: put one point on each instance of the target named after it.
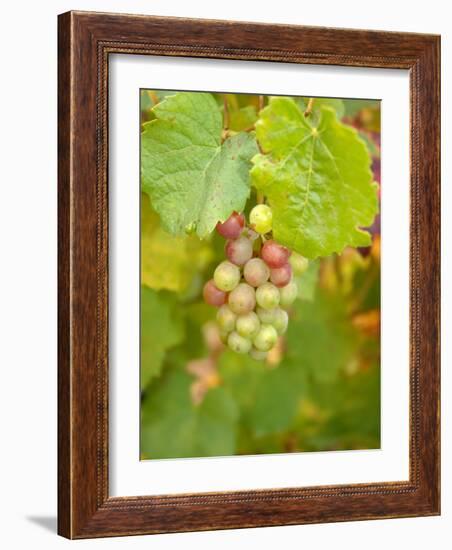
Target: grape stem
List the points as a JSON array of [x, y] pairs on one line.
[[153, 97], [309, 107], [225, 112], [249, 128]]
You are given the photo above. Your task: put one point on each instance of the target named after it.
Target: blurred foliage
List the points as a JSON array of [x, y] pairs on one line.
[[179, 258], [172, 426], [307, 282], [161, 329], [319, 389]]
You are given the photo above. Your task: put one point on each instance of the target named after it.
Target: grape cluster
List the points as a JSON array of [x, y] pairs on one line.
[[254, 286]]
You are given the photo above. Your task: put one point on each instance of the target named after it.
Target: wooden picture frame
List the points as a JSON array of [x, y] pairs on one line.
[[85, 42]]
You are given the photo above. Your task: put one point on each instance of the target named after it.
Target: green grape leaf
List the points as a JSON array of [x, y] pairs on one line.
[[169, 262], [172, 427], [198, 317], [191, 177], [317, 179], [241, 375], [322, 339], [267, 397], [350, 417], [161, 329], [276, 400]]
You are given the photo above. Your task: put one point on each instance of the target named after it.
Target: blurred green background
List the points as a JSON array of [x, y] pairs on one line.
[[320, 388]]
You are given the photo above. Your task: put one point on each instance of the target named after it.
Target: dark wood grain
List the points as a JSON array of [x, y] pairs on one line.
[[64, 295], [85, 42]]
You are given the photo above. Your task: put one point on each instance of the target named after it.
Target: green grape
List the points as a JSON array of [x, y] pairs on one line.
[[238, 343], [226, 318], [266, 338], [242, 299], [261, 218], [280, 321], [226, 276], [258, 355], [248, 325], [288, 294], [266, 316], [267, 296], [299, 263]]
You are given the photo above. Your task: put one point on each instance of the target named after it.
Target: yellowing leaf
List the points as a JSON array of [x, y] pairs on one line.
[[168, 262], [242, 119]]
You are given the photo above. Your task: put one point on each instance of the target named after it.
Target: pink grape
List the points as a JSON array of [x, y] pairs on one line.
[[274, 255], [256, 272], [280, 276], [239, 251], [242, 299], [213, 295], [232, 227]]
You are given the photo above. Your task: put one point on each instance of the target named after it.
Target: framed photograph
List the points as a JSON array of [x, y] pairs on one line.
[[248, 275]]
